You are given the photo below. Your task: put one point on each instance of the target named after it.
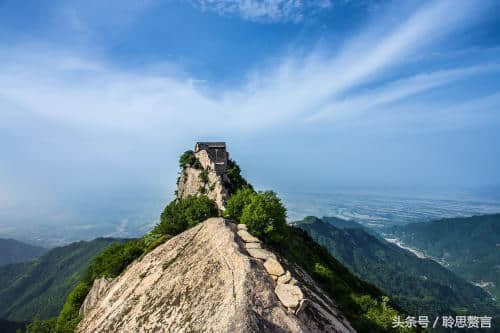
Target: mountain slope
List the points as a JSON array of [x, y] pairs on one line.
[[339, 223], [204, 280], [195, 272], [10, 326], [14, 251], [41, 286], [469, 246], [420, 286]]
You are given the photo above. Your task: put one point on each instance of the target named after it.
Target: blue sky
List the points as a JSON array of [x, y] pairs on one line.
[[98, 100]]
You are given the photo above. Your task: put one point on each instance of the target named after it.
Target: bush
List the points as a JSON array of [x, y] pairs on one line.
[[69, 316], [238, 201], [188, 158], [40, 326], [109, 263], [236, 180], [203, 176], [323, 272], [265, 216], [114, 259], [183, 214]]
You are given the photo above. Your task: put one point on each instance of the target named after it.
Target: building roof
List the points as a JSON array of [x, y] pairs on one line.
[[207, 145]]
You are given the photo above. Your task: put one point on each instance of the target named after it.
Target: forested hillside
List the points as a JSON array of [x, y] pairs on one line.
[[14, 251], [41, 286], [420, 286], [468, 246]]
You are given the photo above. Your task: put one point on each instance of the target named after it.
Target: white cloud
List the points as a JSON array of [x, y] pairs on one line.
[[90, 93], [265, 10]]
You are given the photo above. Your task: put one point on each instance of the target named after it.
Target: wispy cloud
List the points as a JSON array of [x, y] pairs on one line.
[[265, 10], [89, 92]]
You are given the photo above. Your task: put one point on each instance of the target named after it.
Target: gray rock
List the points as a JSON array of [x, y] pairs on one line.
[[245, 235], [289, 295], [273, 267], [209, 285], [285, 278], [253, 245], [242, 226], [99, 287], [261, 254]]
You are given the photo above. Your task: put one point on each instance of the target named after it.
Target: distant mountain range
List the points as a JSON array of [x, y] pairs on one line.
[[14, 251], [420, 286], [40, 287], [469, 246]]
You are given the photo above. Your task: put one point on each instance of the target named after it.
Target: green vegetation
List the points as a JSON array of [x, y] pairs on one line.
[[262, 212], [265, 216], [177, 216], [236, 180], [189, 159], [238, 201], [41, 326], [109, 263], [420, 286], [41, 286], [14, 251], [468, 246], [114, 259], [203, 176], [182, 214], [367, 308]]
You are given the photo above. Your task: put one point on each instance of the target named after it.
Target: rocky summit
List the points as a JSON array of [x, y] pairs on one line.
[[206, 280]]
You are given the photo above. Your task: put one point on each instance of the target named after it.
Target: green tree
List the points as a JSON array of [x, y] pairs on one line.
[[238, 201], [265, 216], [188, 158], [183, 214], [236, 180]]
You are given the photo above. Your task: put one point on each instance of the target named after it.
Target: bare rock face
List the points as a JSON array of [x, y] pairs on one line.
[[191, 182], [247, 237], [285, 278], [261, 253], [273, 267], [203, 280], [253, 245], [289, 295], [98, 289]]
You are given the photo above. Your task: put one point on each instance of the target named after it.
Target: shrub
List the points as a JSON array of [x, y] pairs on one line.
[[188, 158], [323, 272], [40, 326], [238, 201], [265, 216], [203, 176], [69, 316], [236, 180], [182, 214], [114, 259]]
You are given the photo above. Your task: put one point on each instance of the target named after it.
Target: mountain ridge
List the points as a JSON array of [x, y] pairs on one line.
[[215, 287], [421, 286], [40, 287], [14, 251], [468, 246]]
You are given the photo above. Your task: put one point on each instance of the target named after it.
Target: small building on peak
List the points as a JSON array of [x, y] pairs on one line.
[[216, 153]]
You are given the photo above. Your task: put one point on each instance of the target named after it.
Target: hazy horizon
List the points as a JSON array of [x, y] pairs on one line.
[[97, 101]]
